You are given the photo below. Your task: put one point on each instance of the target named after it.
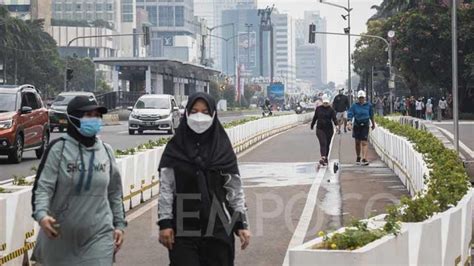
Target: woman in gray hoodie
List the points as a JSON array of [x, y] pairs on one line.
[[77, 195]]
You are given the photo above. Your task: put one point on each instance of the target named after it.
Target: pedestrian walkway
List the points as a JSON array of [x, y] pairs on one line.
[[289, 199]]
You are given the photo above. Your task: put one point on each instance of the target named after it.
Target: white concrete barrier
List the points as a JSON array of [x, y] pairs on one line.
[[400, 155], [139, 180], [19, 225], [444, 239]]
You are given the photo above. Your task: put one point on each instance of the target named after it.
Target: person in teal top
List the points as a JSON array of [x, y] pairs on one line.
[[360, 115], [77, 195]]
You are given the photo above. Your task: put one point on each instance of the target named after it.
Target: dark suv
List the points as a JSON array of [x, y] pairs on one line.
[[24, 123], [57, 112]]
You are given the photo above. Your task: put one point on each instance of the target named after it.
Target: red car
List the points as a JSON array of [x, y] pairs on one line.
[[24, 123]]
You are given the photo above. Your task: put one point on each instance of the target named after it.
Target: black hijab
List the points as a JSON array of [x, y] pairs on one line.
[[215, 153]]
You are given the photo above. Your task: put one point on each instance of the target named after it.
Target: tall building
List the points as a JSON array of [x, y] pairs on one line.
[[285, 49], [30, 9], [86, 10], [174, 29], [211, 11], [242, 47], [311, 58]]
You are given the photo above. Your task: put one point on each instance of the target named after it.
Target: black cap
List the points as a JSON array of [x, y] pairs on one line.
[[84, 104]]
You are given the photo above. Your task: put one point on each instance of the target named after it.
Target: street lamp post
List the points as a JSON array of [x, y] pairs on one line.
[[391, 34], [248, 44], [454, 51], [89, 37], [347, 17], [391, 82], [227, 46], [216, 27]]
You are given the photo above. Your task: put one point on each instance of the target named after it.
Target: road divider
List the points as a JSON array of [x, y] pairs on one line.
[[140, 181], [111, 119]]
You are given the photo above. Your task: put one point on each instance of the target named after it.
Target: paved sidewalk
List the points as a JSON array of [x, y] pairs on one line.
[[366, 190]]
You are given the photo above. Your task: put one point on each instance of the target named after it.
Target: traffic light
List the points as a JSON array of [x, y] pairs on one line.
[[146, 35], [312, 33], [69, 74]]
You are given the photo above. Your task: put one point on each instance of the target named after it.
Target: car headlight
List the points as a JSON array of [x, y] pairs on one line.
[[6, 124], [136, 116]]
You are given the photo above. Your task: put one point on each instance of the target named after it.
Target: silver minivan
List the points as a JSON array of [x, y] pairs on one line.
[[154, 112]]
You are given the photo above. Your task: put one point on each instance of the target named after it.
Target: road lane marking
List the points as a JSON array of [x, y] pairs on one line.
[[307, 215]]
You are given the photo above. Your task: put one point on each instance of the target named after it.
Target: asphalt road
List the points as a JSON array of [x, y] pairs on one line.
[[117, 136], [277, 178], [466, 131]]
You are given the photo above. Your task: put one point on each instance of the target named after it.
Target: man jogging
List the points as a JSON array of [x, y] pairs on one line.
[[362, 114], [341, 105]]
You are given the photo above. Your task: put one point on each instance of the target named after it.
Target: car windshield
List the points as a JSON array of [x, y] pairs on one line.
[[7, 102], [152, 103], [63, 100]]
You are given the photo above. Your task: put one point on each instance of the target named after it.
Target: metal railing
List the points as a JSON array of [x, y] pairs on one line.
[[118, 99]]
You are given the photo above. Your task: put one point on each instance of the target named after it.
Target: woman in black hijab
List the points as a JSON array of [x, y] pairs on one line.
[[201, 203]]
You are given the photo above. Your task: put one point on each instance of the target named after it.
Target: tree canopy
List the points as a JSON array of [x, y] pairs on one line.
[[421, 47]]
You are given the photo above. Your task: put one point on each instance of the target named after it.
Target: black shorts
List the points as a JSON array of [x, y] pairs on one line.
[[361, 132]]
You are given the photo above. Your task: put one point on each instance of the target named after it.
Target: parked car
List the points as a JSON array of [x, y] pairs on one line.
[[154, 112], [24, 122], [57, 112]]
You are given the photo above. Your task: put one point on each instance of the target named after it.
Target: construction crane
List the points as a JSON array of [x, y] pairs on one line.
[[266, 26]]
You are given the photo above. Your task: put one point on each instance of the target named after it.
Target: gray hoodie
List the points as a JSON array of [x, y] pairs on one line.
[[84, 198]]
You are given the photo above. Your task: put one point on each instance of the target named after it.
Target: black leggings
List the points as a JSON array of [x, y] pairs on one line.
[[324, 136], [197, 251]]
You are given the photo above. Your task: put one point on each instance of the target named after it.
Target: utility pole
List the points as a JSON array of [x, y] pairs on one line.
[[454, 51], [90, 37], [347, 31], [349, 59], [248, 44]]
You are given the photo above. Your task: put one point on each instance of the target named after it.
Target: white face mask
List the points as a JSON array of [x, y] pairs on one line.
[[200, 122]]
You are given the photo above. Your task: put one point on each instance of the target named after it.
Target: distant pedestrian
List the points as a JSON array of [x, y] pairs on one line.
[[429, 110], [319, 100], [396, 105], [402, 107], [201, 202], [443, 105], [325, 117], [362, 115], [379, 106], [419, 108], [77, 195], [341, 105]]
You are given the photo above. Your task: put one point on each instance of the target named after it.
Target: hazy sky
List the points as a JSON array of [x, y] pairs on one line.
[[337, 45]]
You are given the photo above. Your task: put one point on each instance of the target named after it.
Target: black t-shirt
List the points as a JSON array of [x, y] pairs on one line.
[[325, 116], [341, 103]]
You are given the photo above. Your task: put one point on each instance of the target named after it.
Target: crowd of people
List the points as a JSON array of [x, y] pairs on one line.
[[422, 107]]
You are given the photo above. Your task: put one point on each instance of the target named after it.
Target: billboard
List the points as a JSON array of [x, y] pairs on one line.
[[246, 47], [276, 93]]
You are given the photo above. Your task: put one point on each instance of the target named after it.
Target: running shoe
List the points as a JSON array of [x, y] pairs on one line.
[[358, 161], [321, 161], [326, 161], [365, 162]]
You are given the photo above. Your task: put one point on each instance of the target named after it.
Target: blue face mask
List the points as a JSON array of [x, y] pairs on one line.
[[90, 126]]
